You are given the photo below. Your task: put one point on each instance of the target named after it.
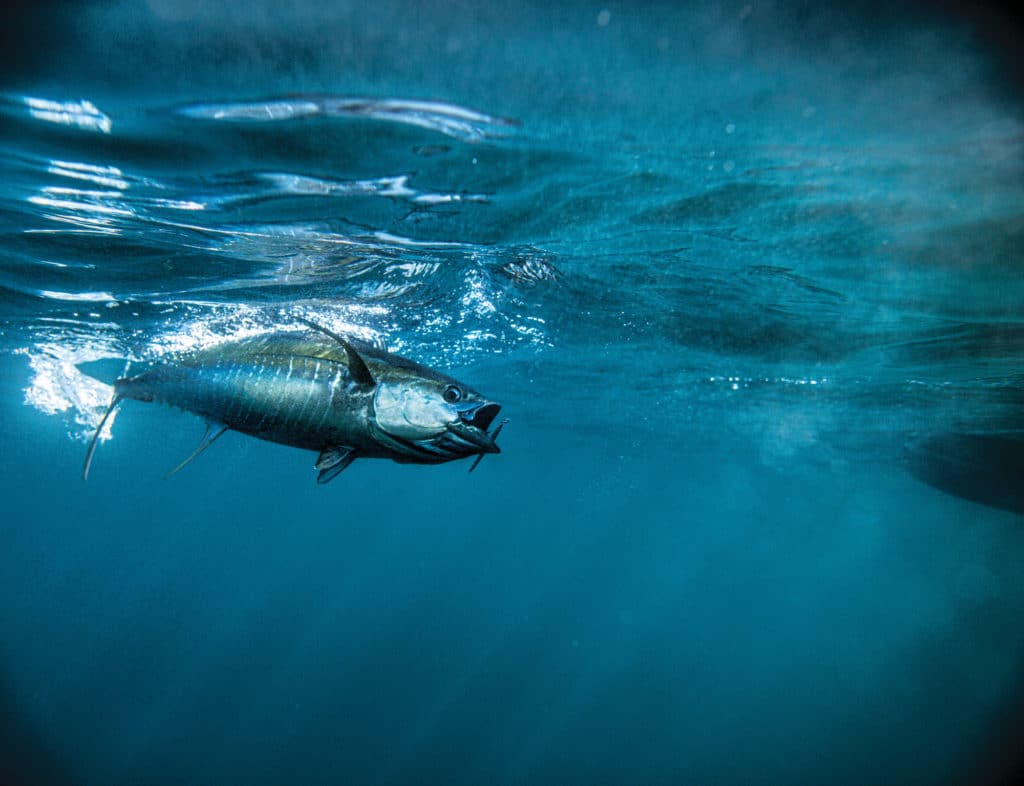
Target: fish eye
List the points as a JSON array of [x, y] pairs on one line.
[[452, 394]]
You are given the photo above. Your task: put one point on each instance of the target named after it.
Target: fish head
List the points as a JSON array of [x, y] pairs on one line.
[[433, 415], [416, 413]]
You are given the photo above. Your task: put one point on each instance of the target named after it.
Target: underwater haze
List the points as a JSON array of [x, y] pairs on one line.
[[747, 280]]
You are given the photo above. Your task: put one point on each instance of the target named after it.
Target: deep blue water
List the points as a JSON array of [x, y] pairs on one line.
[[748, 280]]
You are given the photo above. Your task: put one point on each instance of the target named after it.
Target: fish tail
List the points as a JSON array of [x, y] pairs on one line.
[[96, 436]]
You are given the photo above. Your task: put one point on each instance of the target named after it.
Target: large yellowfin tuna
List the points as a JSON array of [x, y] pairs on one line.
[[322, 392]]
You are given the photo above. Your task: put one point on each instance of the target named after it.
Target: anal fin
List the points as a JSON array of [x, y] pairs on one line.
[[333, 461], [213, 431]]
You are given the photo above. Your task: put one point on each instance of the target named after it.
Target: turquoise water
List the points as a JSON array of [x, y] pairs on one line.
[[746, 280]]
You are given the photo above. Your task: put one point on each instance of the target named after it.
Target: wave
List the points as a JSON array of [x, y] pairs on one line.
[[449, 119]]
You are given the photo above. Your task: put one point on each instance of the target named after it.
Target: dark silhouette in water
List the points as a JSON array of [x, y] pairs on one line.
[[998, 760], [988, 470], [982, 468], [26, 759]]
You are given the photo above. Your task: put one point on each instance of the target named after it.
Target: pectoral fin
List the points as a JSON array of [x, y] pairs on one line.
[[332, 462], [213, 431]]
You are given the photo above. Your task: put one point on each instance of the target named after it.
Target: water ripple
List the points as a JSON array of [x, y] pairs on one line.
[[264, 186], [449, 119], [83, 114], [107, 260], [702, 287]]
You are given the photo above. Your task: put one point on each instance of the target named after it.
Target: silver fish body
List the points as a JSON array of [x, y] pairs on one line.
[[320, 391]]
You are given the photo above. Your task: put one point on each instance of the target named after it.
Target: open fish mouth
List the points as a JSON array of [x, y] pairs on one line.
[[481, 415], [469, 432], [466, 436]]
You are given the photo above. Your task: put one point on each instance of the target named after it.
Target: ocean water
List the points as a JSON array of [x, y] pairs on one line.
[[747, 279]]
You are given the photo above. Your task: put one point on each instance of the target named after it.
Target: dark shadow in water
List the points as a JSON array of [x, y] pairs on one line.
[[820, 26], [999, 758], [32, 31], [984, 469], [26, 759], [1000, 28], [988, 470], [978, 246], [1000, 762], [718, 204]]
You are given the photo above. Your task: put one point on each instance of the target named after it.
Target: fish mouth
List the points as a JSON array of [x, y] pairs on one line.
[[466, 436], [481, 415], [471, 428]]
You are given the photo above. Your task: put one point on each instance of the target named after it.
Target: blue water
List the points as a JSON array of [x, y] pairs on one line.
[[747, 280]]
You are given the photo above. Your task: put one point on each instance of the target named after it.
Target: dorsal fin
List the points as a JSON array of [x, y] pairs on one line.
[[356, 365]]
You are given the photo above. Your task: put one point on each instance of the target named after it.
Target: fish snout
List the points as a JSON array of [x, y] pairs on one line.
[[480, 415], [472, 426]]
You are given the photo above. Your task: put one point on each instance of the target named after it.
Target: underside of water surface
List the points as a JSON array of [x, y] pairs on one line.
[[747, 280]]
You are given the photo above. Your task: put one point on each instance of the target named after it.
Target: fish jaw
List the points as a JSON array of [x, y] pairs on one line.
[[472, 426], [464, 437]]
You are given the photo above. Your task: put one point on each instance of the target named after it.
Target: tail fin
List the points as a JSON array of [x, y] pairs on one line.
[[96, 436]]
